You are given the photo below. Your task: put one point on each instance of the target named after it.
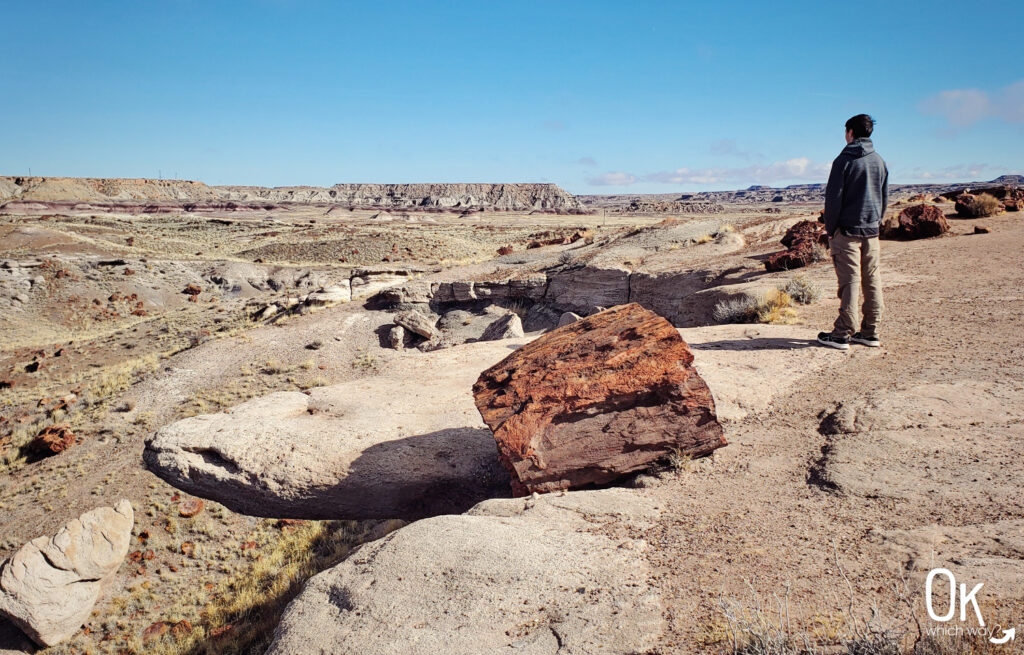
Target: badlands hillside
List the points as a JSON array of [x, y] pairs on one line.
[[499, 419]]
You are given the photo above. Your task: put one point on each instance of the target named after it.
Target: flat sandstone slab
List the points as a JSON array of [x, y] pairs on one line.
[[530, 576], [596, 399], [406, 444], [749, 366]]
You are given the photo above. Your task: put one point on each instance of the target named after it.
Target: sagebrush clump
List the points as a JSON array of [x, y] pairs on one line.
[[801, 290], [735, 310]]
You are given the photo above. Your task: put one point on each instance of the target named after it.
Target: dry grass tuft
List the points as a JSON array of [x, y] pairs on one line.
[[365, 361], [736, 310], [773, 307], [776, 307], [819, 253]]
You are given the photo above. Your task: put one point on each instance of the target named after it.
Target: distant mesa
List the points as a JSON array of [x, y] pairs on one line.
[[154, 196]]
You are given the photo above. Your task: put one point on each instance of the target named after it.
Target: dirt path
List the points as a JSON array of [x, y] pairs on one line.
[[760, 511]]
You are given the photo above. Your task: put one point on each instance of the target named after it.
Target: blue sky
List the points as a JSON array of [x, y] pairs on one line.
[[599, 97]]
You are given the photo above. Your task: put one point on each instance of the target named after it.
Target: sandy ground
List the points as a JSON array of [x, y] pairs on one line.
[[772, 508], [754, 513]]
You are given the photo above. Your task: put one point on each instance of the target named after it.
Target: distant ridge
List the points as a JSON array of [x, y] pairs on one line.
[[808, 193]]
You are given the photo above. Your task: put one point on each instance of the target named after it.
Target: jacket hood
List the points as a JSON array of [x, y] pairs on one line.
[[859, 148]]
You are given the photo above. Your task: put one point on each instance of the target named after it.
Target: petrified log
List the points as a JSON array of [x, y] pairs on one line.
[[51, 440], [595, 399], [920, 222], [812, 231], [801, 241]]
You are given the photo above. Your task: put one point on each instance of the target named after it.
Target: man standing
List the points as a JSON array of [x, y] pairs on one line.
[[855, 200]]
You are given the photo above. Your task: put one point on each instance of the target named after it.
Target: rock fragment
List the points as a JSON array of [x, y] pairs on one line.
[[49, 587], [416, 323], [804, 242], [568, 317], [396, 337]]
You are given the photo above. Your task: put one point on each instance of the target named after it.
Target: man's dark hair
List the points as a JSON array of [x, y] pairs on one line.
[[862, 126]]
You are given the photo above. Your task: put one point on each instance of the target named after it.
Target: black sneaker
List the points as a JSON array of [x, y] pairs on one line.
[[832, 341], [866, 340]]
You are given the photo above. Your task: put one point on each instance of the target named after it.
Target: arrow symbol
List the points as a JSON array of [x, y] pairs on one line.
[[1008, 635]]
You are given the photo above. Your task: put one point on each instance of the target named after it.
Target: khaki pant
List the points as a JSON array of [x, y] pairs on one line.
[[857, 266]]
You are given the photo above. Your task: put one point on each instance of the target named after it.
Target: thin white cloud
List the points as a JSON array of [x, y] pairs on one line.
[[799, 168], [1012, 103], [586, 161], [614, 178], [965, 107], [796, 169], [728, 147], [956, 173]]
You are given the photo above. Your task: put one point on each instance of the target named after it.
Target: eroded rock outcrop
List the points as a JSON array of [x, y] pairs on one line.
[[49, 587], [521, 197], [593, 400], [170, 195]]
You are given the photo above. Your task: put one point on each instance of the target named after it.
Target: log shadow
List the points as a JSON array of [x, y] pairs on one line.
[[442, 472], [763, 343], [13, 640]]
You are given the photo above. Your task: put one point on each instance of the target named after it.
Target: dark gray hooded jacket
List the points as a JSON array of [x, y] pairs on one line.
[[857, 191]]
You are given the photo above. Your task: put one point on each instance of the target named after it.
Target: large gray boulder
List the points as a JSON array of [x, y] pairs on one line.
[[407, 444], [530, 575], [568, 318], [49, 587], [509, 326]]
